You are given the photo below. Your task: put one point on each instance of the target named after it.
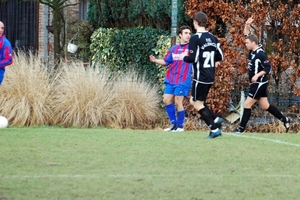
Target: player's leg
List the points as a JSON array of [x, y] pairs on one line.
[[265, 105], [199, 97], [180, 113], [246, 115], [251, 99], [169, 106], [218, 120], [180, 92]]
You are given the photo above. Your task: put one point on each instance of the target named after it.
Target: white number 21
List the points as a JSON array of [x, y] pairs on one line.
[[209, 59]]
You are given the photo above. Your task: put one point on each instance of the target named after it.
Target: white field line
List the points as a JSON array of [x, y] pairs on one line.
[[99, 176], [265, 139]]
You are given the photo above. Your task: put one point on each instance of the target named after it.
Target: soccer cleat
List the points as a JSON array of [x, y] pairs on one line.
[[214, 134], [171, 128], [219, 122], [287, 124], [238, 130], [178, 129]]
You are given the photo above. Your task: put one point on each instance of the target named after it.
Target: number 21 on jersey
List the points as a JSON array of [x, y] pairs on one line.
[[209, 57]]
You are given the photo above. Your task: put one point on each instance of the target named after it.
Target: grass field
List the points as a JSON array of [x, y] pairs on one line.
[[99, 163]]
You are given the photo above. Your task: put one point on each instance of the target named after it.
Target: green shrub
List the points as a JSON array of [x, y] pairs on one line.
[[132, 13], [122, 50]]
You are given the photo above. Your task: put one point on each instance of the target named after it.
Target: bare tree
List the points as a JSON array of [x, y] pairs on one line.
[[57, 7]]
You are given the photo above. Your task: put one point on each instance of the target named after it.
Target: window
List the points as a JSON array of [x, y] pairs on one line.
[[20, 21], [83, 8]]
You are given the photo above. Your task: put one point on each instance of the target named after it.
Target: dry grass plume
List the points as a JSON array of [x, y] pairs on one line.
[[24, 91]]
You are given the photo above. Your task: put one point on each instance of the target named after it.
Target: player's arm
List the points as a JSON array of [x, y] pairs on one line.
[[157, 61], [267, 68], [248, 26], [191, 57], [166, 61], [265, 63], [219, 56], [6, 55]]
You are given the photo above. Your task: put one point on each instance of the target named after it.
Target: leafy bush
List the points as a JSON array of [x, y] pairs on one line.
[[132, 13], [122, 50]]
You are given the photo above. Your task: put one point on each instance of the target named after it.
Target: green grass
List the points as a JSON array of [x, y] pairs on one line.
[[99, 163]]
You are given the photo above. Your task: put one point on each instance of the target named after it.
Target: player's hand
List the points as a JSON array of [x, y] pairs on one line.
[[217, 64], [152, 58], [183, 54], [254, 79], [249, 21]]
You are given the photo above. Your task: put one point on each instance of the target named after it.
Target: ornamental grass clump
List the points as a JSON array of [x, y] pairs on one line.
[[25, 90], [137, 105], [82, 97]]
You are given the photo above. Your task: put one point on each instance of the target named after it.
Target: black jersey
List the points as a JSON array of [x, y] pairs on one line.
[[257, 62], [204, 51]]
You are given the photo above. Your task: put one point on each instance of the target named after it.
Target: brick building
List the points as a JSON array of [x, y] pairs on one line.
[[26, 24]]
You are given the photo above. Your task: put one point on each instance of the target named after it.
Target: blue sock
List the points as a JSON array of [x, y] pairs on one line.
[[180, 118], [171, 113]]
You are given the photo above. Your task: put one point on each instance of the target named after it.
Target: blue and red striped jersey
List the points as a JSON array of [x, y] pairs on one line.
[[5, 52], [178, 72], [6, 57]]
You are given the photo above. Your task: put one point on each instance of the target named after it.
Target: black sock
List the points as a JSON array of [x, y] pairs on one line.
[[274, 111], [214, 116], [206, 116], [245, 118]]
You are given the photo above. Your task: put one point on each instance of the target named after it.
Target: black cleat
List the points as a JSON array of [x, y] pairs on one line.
[[238, 130]]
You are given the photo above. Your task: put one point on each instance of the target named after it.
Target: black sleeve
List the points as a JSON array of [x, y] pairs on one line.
[[219, 53], [265, 62], [193, 46]]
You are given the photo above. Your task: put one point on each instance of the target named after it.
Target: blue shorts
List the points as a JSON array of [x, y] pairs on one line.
[[176, 90]]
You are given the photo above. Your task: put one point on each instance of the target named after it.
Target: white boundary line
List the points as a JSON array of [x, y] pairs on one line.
[[265, 139], [98, 176]]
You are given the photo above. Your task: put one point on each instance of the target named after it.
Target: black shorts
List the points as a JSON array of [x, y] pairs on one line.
[[258, 90], [200, 91]]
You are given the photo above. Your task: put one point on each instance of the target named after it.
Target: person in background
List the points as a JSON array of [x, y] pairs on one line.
[[258, 69], [177, 80], [6, 57], [205, 54]]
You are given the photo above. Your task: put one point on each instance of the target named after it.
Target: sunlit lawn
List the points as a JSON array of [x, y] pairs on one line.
[[99, 163]]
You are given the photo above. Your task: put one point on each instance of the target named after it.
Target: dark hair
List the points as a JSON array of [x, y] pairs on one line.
[[252, 38], [201, 18], [183, 28]]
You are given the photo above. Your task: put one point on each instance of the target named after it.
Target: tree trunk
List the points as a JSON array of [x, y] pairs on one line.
[[57, 32]]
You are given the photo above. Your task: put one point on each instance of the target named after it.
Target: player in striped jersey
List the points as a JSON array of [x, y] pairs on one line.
[[205, 54], [177, 80], [5, 52], [258, 69]]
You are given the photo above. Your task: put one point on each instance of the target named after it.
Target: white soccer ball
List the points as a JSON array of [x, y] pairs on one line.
[[3, 122]]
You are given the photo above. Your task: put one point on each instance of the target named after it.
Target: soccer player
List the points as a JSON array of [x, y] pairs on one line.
[[5, 52], [177, 80], [205, 54], [258, 69]]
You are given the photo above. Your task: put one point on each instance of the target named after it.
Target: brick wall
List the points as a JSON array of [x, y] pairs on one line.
[[45, 38]]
